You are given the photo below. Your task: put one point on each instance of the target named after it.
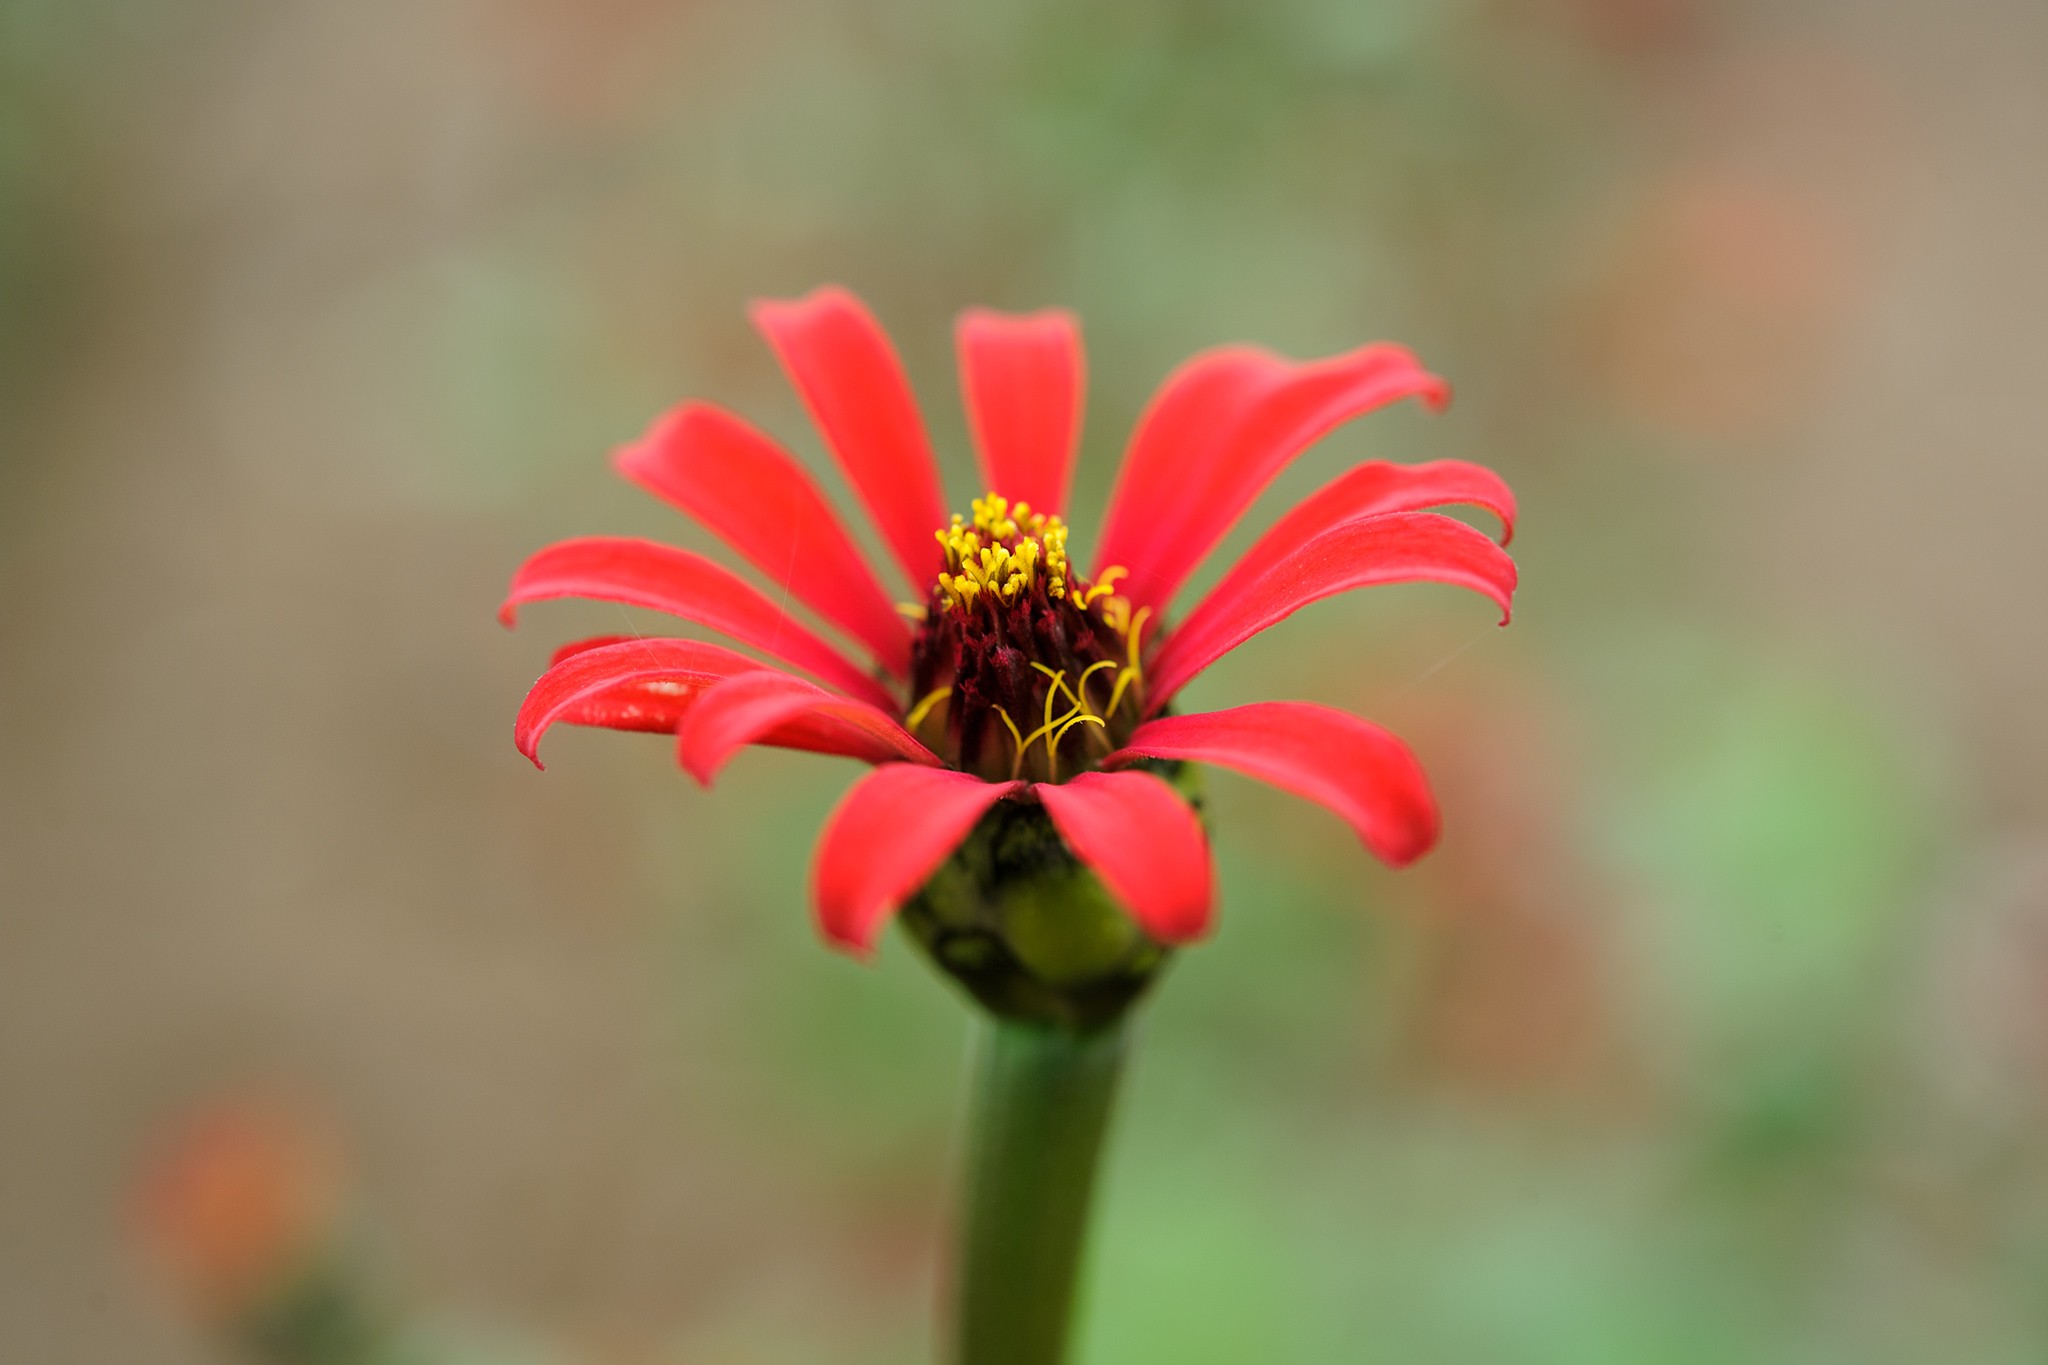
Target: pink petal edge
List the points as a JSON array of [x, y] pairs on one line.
[[1373, 489]]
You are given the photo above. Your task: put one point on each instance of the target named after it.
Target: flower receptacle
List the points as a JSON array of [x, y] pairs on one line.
[[1028, 930]]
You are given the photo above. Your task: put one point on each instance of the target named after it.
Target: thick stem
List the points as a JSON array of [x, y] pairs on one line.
[[1041, 1103]]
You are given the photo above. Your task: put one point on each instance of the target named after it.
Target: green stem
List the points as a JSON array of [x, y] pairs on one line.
[[1041, 1103]]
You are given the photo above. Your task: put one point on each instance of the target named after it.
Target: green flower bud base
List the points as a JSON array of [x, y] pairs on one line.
[[1028, 931]]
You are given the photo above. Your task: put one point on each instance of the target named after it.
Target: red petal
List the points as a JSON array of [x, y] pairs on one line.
[[623, 684], [1397, 547], [1352, 766], [1218, 431], [1145, 844], [643, 573], [843, 365], [752, 707], [595, 642], [1371, 489], [753, 495], [652, 705], [887, 837], [1022, 379]]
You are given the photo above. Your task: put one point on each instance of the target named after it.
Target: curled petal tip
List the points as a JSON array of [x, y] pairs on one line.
[[771, 707], [763, 308], [623, 684], [682, 583], [1388, 547], [1354, 768], [863, 953], [1216, 434], [1398, 861], [858, 946]]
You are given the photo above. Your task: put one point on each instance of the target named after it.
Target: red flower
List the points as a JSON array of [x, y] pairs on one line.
[[1014, 677]]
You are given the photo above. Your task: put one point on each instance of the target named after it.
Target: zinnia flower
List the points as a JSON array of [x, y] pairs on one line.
[[1018, 710]]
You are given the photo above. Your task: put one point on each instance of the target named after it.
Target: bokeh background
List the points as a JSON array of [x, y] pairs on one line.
[[1715, 1031]]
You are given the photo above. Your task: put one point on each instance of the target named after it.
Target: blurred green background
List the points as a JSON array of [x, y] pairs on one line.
[[1715, 1031]]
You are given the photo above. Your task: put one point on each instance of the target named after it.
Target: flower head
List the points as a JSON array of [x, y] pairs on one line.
[[1030, 807]]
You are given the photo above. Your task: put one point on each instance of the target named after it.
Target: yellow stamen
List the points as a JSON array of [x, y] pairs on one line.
[[911, 610], [1059, 682], [1116, 694], [1089, 671], [1050, 725], [924, 708], [1052, 746], [1105, 583], [1016, 762], [1132, 671]]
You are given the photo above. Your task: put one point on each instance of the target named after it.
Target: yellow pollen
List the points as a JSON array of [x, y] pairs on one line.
[[1006, 549]]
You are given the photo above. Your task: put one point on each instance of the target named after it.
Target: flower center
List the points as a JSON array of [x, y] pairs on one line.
[[1022, 669]]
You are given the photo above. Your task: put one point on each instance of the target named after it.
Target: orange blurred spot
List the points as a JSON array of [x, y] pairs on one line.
[[1720, 304], [1515, 994], [1641, 27], [237, 1201]]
